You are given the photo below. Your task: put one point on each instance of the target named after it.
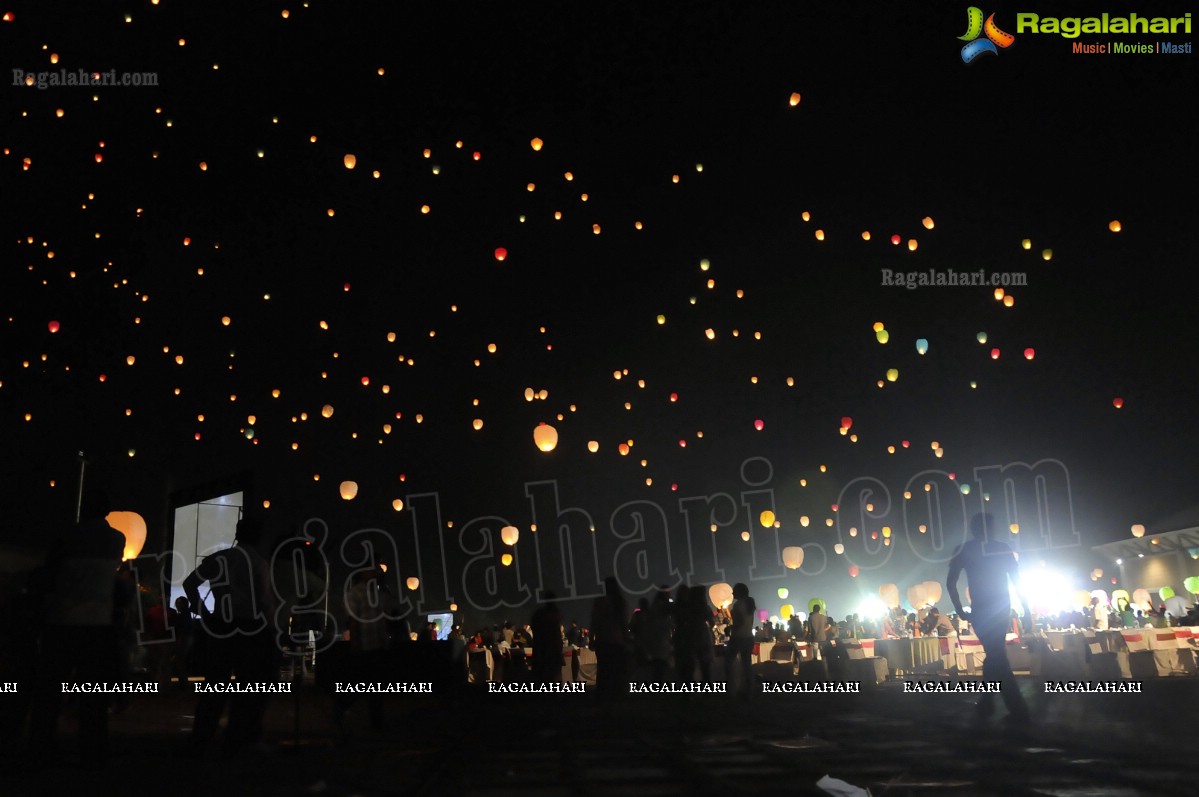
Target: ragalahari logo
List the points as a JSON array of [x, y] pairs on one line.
[[974, 28]]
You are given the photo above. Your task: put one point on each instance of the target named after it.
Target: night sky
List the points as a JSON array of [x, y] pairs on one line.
[[135, 191]]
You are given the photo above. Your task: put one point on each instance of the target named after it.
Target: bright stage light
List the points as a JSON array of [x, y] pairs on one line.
[[1048, 591], [872, 608]]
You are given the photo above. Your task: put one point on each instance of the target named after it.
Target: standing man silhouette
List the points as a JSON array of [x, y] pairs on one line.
[[989, 566]]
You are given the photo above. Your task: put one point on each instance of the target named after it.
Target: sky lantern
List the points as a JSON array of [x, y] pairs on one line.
[[350, 160], [921, 346], [412, 583], [133, 526], [501, 254], [793, 557], [349, 490], [509, 534], [766, 518], [1138, 531], [53, 326], [1114, 226], [720, 594], [1117, 402], [536, 144], [794, 99], [546, 437]]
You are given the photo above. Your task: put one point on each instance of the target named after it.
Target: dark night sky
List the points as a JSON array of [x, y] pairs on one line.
[[1033, 143]]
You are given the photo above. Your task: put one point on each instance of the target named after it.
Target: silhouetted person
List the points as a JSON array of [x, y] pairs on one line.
[[367, 606], [79, 638], [241, 637], [989, 566], [609, 618], [741, 637], [546, 625], [183, 623]]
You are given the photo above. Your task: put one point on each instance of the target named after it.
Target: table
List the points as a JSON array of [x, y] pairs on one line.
[[910, 653]]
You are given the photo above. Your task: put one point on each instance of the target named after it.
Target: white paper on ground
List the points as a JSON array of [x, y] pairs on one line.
[[839, 788]]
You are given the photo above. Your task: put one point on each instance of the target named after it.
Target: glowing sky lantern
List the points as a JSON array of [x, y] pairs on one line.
[[501, 254], [509, 534], [536, 144], [1138, 531], [412, 583], [133, 526], [783, 593], [794, 99], [793, 557], [546, 437], [720, 594], [348, 490], [327, 411], [350, 160], [766, 518]]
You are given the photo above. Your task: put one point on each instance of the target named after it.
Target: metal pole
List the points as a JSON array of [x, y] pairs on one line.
[[79, 494]]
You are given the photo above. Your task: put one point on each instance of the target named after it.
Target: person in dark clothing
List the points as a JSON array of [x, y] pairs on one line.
[[990, 566], [546, 625], [79, 641], [609, 626]]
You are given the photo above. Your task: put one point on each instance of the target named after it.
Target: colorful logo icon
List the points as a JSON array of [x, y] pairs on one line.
[[975, 27]]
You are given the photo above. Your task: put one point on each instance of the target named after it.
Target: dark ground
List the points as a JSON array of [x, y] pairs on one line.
[[496, 745]]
